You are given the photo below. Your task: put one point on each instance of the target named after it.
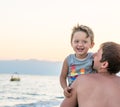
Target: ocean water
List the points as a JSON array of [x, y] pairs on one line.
[[31, 91]]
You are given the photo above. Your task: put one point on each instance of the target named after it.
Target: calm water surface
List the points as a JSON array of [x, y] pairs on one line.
[[31, 91]]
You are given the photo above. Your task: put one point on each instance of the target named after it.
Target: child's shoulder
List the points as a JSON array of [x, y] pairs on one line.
[[90, 54], [70, 56]]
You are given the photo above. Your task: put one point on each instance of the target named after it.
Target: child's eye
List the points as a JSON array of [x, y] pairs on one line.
[[76, 41], [84, 42]]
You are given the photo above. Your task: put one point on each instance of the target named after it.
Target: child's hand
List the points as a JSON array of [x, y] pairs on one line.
[[67, 92]]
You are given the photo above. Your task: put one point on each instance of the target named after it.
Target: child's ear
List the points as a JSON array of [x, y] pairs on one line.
[[92, 44]]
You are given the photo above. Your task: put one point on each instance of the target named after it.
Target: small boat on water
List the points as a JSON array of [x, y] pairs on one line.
[[15, 77]]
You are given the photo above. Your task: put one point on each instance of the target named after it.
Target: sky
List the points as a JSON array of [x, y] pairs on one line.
[[41, 29]]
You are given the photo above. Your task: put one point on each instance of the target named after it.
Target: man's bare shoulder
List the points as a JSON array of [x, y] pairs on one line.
[[85, 80], [88, 77], [95, 78], [92, 80]]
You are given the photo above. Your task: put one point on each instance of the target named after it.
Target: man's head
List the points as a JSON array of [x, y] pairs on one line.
[[108, 58]]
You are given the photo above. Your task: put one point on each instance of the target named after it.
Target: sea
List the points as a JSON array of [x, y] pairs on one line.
[[30, 91]]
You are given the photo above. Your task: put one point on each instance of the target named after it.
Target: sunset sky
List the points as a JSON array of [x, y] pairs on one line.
[[41, 29]]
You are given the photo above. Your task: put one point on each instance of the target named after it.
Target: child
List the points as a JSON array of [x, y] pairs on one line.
[[82, 39]]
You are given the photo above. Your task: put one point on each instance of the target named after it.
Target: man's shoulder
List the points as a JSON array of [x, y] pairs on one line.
[[85, 82], [91, 76], [87, 79], [90, 80], [95, 78]]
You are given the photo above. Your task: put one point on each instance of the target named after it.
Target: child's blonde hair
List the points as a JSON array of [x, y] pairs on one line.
[[85, 29]]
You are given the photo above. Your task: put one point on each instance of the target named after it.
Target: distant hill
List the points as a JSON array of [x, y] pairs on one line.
[[30, 67]]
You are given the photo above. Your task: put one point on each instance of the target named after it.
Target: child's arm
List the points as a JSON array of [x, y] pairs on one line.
[[63, 77]]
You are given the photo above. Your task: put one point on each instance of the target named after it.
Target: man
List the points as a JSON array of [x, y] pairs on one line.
[[101, 89]]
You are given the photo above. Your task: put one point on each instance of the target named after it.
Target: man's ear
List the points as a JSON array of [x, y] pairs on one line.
[[105, 64]]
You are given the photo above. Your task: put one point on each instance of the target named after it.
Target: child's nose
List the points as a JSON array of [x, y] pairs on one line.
[[80, 43]]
